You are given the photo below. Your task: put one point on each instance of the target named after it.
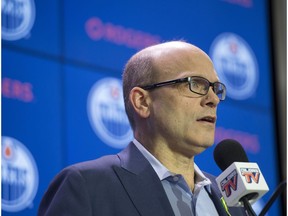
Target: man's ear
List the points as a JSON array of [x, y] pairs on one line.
[[140, 100]]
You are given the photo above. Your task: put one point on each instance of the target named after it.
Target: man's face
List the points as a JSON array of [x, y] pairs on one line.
[[182, 119]]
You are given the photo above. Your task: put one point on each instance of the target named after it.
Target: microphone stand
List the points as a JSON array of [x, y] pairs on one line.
[[247, 205], [245, 200], [280, 188]]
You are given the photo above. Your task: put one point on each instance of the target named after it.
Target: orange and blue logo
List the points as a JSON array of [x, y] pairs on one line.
[[251, 175], [236, 65], [18, 18], [106, 112], [19, 176]]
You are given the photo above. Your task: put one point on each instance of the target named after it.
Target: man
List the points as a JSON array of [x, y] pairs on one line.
[[171, 92]]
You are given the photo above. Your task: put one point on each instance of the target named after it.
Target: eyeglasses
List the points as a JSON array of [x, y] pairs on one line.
[[198, 85]]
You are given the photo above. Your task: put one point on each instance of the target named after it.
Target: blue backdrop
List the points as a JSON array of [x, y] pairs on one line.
[[56, 55]]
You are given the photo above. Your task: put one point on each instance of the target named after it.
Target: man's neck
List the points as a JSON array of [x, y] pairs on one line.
[[175, 162]]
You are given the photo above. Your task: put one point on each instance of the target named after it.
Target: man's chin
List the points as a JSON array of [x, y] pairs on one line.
[[196, 150], [202, 147]]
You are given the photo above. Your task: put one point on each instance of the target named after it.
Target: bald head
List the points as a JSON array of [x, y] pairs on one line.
[[156, 63]]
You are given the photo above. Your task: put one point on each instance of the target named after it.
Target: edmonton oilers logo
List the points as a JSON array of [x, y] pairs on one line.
[[19, 176], [236, 65], [106, 113], [17, 18]]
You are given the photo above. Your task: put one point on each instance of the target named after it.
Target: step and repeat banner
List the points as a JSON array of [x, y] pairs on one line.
[[62, 92]]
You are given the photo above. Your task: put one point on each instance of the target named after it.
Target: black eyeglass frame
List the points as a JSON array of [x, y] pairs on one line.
[[188, 79]]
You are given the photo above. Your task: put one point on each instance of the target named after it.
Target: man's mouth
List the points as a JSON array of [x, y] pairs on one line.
[[209, 119]]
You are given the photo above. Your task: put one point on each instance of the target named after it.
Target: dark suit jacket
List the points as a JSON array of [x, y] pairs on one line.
[[121, 185]]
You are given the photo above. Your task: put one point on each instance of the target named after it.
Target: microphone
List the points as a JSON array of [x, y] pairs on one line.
[[241, 182]]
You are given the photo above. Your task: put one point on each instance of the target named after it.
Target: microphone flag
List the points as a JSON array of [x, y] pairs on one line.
[[242, 179]]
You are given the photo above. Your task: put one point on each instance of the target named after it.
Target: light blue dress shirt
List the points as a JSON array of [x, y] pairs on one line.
[[182, 200]]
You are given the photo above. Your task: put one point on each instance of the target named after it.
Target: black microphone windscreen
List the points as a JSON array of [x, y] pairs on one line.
[[227, 152]]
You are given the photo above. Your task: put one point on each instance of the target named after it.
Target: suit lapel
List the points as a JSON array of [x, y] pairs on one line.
[[215, 196], [142, 184], [217, 202]]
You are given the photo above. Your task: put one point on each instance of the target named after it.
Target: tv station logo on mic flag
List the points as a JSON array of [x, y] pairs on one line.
[[251, 175], [229, 183], [239, 180], [19, 176], [107, 114]]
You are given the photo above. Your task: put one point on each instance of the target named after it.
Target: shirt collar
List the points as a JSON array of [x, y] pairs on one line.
[[159, 168], [163, 172]]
